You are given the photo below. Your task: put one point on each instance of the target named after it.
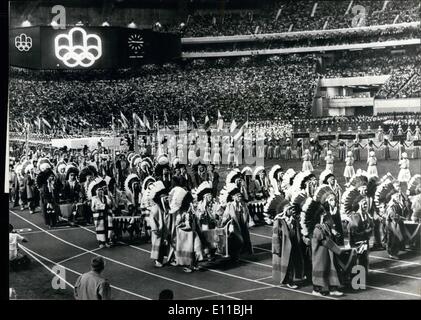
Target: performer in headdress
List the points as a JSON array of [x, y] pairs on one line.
[[404, 173], [372, 165], [261, 191], [316, 227], [236, 213], [32, 193], [162, 225], [49, 194], [326, 196], [188, 244], [287, 257], [213, 179], [414, 193], [163, 171], [101, 206], [307, 166], [132, 188]]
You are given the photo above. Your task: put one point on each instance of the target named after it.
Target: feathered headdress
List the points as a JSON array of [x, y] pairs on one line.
[[130, 155], [24, 167], [359, 180], [310, 216], [95, 184], [133, 160], [204, 188], [128, 183], [414, 185], [156, 190], [323, 193], [275, 205], [87, 171], [257, 171], [288, 179], [384, 193], [177, 197], [43, 176], [247, 171], [232, 176], [71, 169], [350, 200], [162, 162], [324, 176], [372, 185], [147, 181], [43, 164]]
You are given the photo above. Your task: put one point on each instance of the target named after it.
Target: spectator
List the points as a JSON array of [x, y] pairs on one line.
[[92, 285]]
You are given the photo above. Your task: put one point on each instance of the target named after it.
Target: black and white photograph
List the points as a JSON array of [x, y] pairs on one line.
[[214, 150]]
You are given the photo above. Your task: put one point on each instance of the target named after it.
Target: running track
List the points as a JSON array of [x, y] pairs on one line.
[[133, 276]]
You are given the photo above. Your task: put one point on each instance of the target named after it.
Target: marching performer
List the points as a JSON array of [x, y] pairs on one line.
[[261, 190], [372, 165], [236, 213], [163, 171], [162, 225], [132, 189], [307, 166], [360, 228], [49, 194], [287, 258], [328, 198], [414, 193], [329, 160], [32, 193], [349, 171], [404, 173], [316, 226], [188, 244], [101, 206]]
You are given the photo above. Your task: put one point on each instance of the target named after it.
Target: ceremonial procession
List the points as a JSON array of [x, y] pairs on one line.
[[196, 179]]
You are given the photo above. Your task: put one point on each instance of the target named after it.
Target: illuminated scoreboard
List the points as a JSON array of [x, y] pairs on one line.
[[90, 47]]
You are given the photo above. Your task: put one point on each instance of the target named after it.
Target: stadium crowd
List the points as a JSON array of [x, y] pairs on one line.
[[298, 16], [243, 88]]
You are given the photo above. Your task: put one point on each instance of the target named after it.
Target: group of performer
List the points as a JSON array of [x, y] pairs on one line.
[[320, 230]]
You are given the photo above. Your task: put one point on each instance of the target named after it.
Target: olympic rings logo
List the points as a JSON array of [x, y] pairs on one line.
[[23, 42], [78, 48]]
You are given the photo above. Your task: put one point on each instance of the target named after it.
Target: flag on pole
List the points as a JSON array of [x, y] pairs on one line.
[[146, 122], [233, 125], [136, 119], [124, 119], [220, 122], [240, 132], [207, 122], [123, 124], [193, 120], [46, 123], [165, 119], [112, 123]]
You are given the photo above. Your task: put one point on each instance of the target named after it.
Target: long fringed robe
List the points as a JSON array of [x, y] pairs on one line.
[[286, 251], [324, 249], [163, 231], [103, 219], [188, 243]]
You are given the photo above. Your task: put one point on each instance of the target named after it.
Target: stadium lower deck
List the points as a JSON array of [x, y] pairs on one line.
[[133, 276]]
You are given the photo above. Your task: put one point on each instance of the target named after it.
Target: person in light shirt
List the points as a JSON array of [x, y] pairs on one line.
[[14, 239]]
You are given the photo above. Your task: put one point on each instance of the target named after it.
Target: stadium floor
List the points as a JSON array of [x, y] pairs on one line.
[[133, 276]]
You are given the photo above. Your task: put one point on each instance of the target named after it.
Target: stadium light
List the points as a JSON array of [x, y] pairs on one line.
[[26, 23], [132, 25], [105, 24]]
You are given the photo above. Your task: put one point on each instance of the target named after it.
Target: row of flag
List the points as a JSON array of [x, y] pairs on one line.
[[41, 124], [144, 122]]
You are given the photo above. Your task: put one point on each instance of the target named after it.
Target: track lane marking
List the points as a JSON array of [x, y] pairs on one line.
[[124, 264]]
